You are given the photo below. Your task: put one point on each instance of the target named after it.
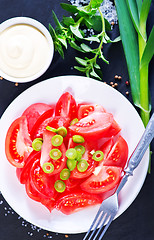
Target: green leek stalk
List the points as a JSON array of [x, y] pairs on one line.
[[132, 17]]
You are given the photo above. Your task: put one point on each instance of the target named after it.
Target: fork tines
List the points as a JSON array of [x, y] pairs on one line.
[[99, 221]]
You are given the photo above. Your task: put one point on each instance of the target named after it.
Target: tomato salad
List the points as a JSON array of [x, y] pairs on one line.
[[69, 156]]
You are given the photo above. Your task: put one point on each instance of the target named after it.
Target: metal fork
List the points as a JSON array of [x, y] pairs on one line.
[[110, 206]]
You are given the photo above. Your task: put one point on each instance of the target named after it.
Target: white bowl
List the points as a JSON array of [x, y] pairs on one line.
[[84, 90], [34, 23]]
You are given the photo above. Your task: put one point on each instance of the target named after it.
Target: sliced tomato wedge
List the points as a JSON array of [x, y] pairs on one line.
[[59, 121], [60, 163], [41, 181], [32, 192], [41, 123], [75, 201], [66, 106], [23, 173], [18, 142], [96, 125], [118, 154], [104, 182], [106, 148], [34, 111], [72, 183], [85, 109]]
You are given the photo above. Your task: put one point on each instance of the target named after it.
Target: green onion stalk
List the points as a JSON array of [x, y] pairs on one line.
[[138, 49]]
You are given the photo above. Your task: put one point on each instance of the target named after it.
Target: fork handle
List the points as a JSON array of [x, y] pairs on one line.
[[138, 153]]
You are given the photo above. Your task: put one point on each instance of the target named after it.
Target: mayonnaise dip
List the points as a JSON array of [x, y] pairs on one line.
[[24, 50]]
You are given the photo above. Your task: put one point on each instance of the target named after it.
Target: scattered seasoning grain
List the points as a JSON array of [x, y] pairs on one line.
[[116, 84], [66, 236], [1, 78], [127, 93], [112, 23], [16, 84], [111, 83], [116, 76], [127, 83], [119, 77]]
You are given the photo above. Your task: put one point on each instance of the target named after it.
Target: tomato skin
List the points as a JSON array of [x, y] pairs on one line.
[[66, 106], [105, 182], [85, 109], [118, 154], [106, 148], [18, 142], [33, 112], [41, 181], [23, 173], [75, 201], [95, 126], [41, 123], [32, 193]]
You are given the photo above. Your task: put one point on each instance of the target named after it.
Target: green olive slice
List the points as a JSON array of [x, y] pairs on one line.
[[57, 140], [55, 153], [82, 165]]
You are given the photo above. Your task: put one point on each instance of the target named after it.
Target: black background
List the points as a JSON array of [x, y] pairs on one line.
[[137, 222]]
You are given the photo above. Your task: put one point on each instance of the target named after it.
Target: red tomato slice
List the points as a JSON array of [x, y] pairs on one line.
[[75, 201], [60, 163], [23, 173], [34, 111], [105, 182], [72, 183], [106, 148], [41, 123], [96, 125], [59, 121], [41, 181], [18, 143], [37, 196], [118, 154], [85, 109], [66, 106]]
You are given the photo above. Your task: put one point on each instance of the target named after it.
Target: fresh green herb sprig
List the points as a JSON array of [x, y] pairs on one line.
[[70, 31]]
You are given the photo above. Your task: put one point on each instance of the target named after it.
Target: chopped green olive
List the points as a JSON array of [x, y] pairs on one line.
[[82, 165], [71, 164], [65, 174], [78, 139], [75, 120], [60, 186], [71, 153], [37, 144], [57, 140], [48, 167], [98, 156], [80, 148], [62, 131], [51, 129], [55, 153]]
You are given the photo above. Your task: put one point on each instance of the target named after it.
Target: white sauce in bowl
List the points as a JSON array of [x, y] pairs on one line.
[[24, 50]]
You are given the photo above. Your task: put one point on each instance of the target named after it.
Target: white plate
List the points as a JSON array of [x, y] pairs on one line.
[[83, 89]]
